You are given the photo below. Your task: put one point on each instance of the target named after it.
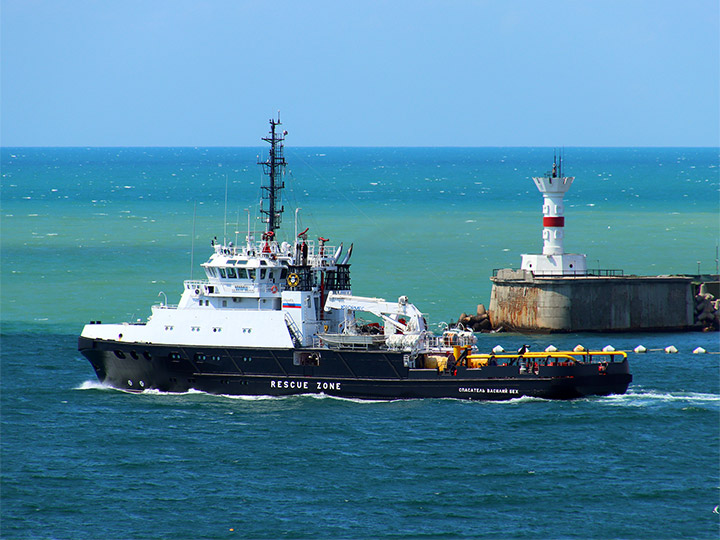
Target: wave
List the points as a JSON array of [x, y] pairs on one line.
[[674, 395], [94, 385], [156, 392], [305, 396], [634, 397], [97, 385], [514, 401], [639, 397]]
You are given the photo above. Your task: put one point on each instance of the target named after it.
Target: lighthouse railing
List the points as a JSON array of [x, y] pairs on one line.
[[596, 272]]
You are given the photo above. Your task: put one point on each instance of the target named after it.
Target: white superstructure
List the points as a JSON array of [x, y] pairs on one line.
[[259, 295]]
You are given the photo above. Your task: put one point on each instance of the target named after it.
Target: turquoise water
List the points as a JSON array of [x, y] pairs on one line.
[[428, 223], [92, 234]]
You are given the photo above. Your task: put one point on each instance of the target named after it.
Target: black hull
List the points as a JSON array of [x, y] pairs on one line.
[[380, 375]]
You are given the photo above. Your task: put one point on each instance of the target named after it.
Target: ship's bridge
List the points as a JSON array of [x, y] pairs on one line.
[[265, 269], [233, 272]]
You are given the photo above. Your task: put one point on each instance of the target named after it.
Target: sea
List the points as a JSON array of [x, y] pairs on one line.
[[104, 233]]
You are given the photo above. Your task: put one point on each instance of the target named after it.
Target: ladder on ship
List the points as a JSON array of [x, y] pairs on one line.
[[294, 330]]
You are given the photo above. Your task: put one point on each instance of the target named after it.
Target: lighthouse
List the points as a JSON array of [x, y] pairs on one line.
[[553, 260], [554, 292]]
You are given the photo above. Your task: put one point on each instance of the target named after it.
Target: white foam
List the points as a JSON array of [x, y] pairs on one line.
[[156, 392], [352, 400], [515, 401], [291, 396], [511, 401], [642, 398], [94, 385]]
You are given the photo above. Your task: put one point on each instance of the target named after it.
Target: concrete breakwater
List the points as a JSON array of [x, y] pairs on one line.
[[522, 301]]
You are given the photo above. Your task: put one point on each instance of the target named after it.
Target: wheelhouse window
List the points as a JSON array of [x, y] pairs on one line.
[[230, 273], [242, 273]]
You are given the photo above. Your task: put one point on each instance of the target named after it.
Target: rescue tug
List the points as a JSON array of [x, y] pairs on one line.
[[278, 318]]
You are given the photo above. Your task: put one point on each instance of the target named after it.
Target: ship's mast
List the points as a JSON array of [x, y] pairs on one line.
[[273, 168]]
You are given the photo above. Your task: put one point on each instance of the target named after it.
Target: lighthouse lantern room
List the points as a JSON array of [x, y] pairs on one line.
[[554, 260]]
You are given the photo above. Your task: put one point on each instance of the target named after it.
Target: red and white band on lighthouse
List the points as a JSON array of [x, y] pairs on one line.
[[556, 221]]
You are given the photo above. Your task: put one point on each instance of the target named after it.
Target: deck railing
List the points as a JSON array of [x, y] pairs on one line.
[[597, 272]]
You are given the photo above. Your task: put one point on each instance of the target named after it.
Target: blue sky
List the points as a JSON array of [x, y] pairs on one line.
[[360, 73]]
